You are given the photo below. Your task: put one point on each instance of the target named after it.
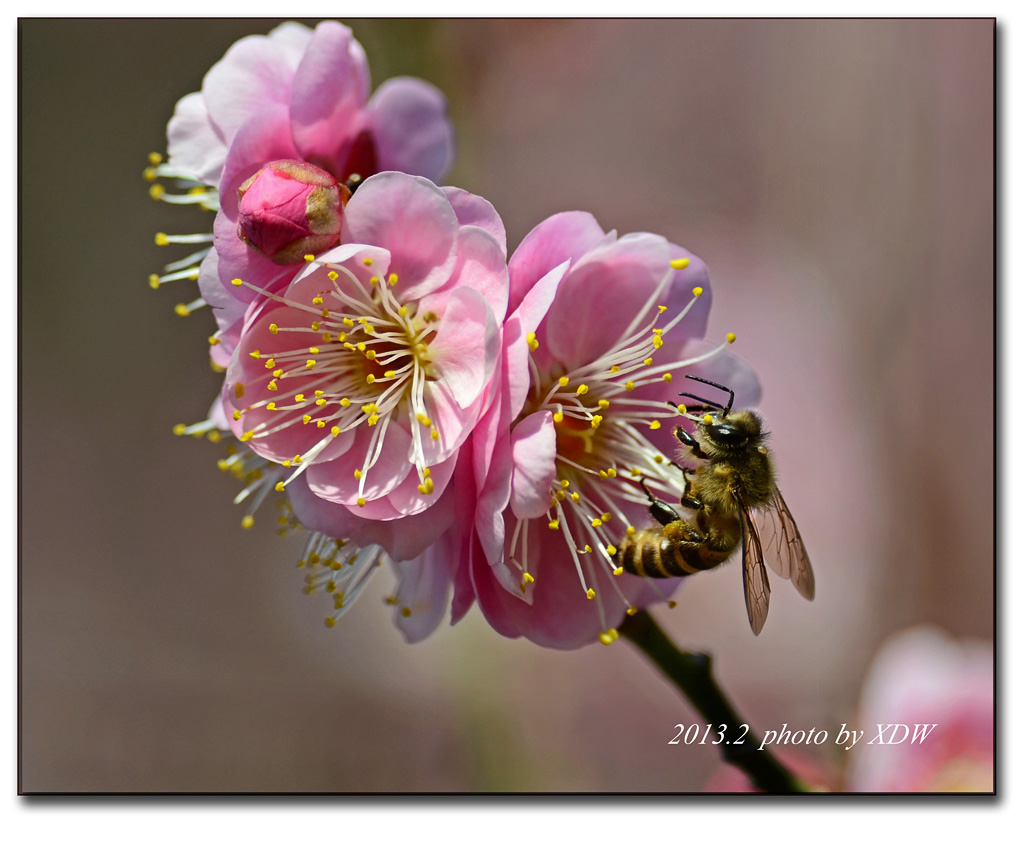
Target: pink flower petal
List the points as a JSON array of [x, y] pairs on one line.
[[335, 480], [465, 349], [471, 209], [411, 218], [561, 237], [193, 144], [424, 586], [264, 137], [533, 454], [328, 93], [409, 118], [480, 266]]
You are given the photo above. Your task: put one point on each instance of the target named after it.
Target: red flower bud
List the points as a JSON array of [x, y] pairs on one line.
[[289, 209]]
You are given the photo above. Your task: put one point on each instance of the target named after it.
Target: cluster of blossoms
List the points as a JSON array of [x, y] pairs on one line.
[[405, 391]]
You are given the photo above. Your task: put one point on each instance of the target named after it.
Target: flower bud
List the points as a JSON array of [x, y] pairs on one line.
[[289, 209]]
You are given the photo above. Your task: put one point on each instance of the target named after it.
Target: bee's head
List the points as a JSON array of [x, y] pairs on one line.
[[729, 433]]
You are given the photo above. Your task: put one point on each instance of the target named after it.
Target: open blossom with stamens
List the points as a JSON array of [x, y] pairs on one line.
[[299, 95], [368, 370], [583, 415]]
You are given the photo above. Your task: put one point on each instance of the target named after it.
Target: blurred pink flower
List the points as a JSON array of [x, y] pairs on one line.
[[368, 370], [600, 333], [923, 677], [306, 93]]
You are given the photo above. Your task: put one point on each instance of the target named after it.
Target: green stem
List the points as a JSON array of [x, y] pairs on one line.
[[691, 672]]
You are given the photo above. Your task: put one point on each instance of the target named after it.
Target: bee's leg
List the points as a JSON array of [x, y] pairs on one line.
[[686, 500], [690, 442], [660, 511]]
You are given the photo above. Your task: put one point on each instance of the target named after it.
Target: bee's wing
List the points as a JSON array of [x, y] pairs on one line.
[[756, 590], [787, 555]]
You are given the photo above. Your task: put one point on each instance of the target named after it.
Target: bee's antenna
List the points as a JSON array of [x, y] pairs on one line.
[[713, 384], [707, 406]]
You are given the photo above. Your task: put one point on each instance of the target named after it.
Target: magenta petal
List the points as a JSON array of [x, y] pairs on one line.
[[193, 145], [411, 218], [327, 95], [533, 456], [471, 209], [564, 236], [410, 123]]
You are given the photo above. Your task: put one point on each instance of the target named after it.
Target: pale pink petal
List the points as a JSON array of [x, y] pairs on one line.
[[564, 236], [193, 144], [335, 480], [492, 467], [465, 349], [602, 294], [254, 74], [480, 266], [264, 137], [424, 586], [327, 96], [411, 218], [410, 122], [533, 457], [471, 209]]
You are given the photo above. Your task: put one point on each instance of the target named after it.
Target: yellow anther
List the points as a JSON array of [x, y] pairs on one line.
[[279, 487], [389, 373], [270, 363], [708, 419], [237, 282], [330, 622], [369, 408], [317, 300], [179, 429], [582, 390], [245, 438], [591, 593], [239, 390], [558, 417], [671, 604], [300, 397], [154, 158], [614, 633], [297, 459], [587, 548], [367, 261], [348, 323], [617, 571], [606, 517], [373, 419], [605, 638], [309, 258], [335, 431], [273, 328], [604, 404], [595, 420], [345, 402], [648, 361], [575, 497], [697, 291], [658, 459], [247, 521], [156, 192], [563, 381], [277, 373], [325, 313], [595, 522], [306, 418], [424, 420], [318, 393], [332, 275], [255, 355], [161, 239], [392, 279], [435, 434], [553, 524], [610, 549], [236, 415], [154, 282], [271, 406], [527, 578], [630, 385], [313, 350], [403, 311], [374, 281], [326, 336], [361, 502], [213, 340], [680, 263], [632, 610], [730, 338], [614, 369], [667, 377], [658, 342], [371, 378], [358, 474], [213, 436], [564, 483], [662, 308], [182, 309], [321, 402], [630, 530], [655, 424], [321, 424], [532, 342]]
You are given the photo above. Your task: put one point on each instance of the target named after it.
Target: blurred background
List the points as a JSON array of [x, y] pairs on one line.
[[837, 178]]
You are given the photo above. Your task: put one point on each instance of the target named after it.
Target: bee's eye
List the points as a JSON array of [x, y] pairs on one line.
[[726, 435]]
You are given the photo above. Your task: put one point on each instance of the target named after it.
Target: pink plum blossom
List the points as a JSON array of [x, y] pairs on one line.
[[368, 370], [920, 678], [600, 333], [307, 93]]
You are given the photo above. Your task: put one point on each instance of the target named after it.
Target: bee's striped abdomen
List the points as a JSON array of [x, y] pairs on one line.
[[649, 553]]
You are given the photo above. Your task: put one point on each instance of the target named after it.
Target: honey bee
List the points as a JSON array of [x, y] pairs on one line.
[[735, 501]]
